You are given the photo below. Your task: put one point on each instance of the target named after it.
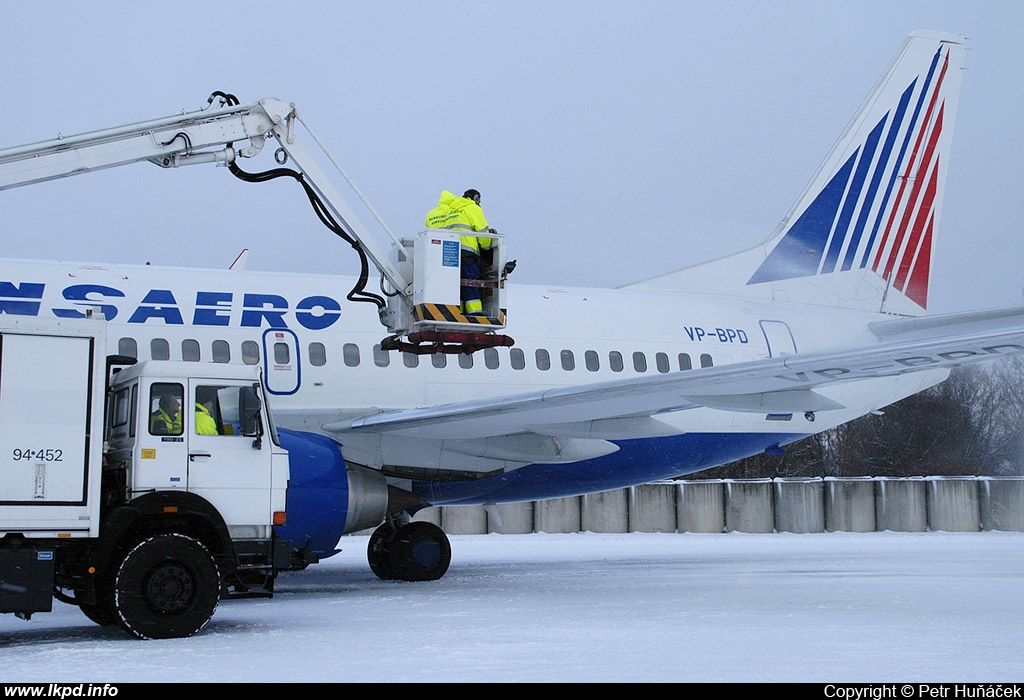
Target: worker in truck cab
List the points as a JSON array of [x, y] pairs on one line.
[[166, 419], [464, 213], [206, 400]]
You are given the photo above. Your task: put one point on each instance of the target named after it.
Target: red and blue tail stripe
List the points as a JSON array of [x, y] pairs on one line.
[[879, 208]]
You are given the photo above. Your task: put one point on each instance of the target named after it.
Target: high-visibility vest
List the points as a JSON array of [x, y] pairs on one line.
[[173, 425], [205, 424], [460, 213]]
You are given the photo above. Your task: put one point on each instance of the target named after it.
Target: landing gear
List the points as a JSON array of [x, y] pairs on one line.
[[418, 551]]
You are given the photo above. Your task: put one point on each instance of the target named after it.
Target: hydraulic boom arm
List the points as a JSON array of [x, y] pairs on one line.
[[213, 135], [426, 309]]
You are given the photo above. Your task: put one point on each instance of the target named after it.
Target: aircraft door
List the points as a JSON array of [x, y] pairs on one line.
[[281, 364], [230, 469], [779, 338]]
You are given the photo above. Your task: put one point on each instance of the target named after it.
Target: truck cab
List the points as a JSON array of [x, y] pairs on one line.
[[197, 428]]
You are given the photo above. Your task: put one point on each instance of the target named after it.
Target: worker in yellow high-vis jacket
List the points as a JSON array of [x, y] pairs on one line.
[[464, 213]]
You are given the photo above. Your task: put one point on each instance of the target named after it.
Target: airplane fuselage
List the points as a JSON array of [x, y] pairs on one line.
[[323, 362]]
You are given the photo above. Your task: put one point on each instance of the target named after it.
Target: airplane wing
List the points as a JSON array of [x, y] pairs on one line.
[[570, 423]]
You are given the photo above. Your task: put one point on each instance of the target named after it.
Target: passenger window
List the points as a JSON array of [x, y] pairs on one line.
[[190, 350], [159, 349], [250, 352], [684, 361], [465, 361], [128, 346], [517, 358], [165, 401], [661, 361], [317, 354], [591, 360], [705, 360], [568, 360], [282, 354], [543, 359], [490, 358], [639, 362], [381, 357], [615, 361], [439, 360], [221, 351], [350, 354], [410, 360]]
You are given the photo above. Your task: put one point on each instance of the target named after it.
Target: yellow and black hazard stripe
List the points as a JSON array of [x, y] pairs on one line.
[[451, 313]]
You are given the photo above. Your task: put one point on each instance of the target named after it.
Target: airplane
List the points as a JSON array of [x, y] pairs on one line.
[[603, 388]]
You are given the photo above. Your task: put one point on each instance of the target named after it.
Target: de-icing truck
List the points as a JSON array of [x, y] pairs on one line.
[[141, 492]]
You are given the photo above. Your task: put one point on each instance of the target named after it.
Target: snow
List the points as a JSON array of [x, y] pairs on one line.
[[588, 607]]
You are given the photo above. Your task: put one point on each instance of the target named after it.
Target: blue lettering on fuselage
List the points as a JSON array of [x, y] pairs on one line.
[[159, 303], [700, 334], [13, 298], [212, 309], [83, 295], [254, 310], [315, 312], [308, 317]]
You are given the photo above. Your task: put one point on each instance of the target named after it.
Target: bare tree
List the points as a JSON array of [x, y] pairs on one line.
[[970, 424]]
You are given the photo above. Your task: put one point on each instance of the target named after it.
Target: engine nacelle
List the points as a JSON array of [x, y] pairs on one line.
[[327, 497]]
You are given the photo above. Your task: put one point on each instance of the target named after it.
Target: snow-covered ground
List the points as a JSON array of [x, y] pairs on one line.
[[834, 607]]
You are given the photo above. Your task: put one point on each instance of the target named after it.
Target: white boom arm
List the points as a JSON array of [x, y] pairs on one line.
[[426, 309], [210, 135]]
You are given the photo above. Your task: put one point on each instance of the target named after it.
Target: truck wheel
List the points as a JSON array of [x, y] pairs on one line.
[[102, 611], [99, 613], [167, 586]]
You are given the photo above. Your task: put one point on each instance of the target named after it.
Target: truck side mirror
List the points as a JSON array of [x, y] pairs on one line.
[[249, 406]]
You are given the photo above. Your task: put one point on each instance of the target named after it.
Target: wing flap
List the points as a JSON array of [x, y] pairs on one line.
[[794, 401]]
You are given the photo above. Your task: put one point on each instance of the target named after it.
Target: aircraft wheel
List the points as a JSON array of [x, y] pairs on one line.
[[420, 551], [378, 552], [167, 586]]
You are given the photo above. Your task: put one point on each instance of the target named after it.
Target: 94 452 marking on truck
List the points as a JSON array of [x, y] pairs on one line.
[[42, 455]]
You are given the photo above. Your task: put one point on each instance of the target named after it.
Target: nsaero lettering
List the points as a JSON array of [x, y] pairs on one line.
[[315, 312]]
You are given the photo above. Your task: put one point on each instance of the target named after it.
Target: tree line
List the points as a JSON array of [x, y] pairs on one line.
[[972, 424]]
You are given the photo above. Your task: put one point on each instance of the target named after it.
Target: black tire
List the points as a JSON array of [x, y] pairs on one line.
[[102, 613], [378, 552], [167, 586], [420, 551]]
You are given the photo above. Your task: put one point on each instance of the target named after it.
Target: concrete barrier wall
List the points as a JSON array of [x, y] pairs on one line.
[[652, 508], [850, 505], [1001, 502], [749, 506], [799, 505], [953, 505], [962, 504], [700, 506], [900, 505]]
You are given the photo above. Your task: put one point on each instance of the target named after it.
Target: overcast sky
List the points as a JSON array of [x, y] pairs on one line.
[[611, 140]]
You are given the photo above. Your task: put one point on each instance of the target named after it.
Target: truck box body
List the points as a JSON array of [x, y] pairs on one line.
[[51, 426]]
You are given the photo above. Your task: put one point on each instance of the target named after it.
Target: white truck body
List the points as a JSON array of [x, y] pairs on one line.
[[139, 521], [51, 433]]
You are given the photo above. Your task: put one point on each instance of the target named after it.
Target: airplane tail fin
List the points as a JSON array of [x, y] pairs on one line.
[[861, 234]]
